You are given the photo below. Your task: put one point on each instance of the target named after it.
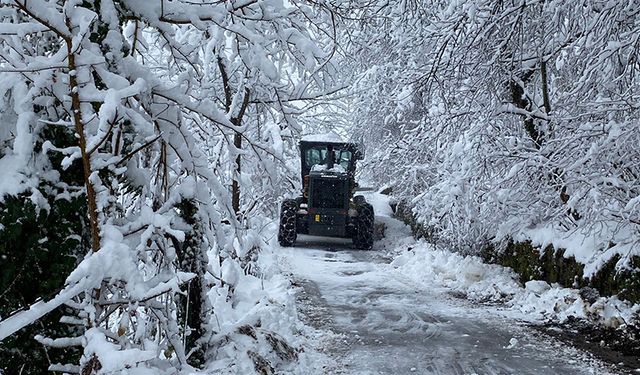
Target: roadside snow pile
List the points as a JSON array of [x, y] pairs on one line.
[[540, 301], [535, 302], [257, 327], [462, 275], [259, 321], [390, 233]]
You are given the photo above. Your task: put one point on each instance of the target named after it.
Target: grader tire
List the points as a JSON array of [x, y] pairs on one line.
[[287, 232], [363, 235]]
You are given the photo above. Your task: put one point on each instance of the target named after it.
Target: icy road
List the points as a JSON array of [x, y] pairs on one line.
[[374, 320]]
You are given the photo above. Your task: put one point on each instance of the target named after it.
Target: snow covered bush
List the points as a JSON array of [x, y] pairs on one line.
[[182, 115]]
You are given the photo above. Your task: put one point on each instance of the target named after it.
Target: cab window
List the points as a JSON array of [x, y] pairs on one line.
[[316, 155], [343, 157]]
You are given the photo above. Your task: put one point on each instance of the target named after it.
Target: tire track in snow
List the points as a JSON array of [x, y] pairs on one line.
[[383, 323]]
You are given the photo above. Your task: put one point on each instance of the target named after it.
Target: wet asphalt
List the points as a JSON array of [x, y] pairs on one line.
[[379, 321]]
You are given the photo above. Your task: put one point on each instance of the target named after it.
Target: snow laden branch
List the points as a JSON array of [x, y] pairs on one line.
[[498, 121], [170, 123], [12, 324]]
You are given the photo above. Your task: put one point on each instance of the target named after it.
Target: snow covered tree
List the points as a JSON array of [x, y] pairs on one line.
[[495, 114], [164, 100]]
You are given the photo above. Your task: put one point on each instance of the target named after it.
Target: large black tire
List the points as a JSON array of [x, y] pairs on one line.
[[363, 234], [287, 232]]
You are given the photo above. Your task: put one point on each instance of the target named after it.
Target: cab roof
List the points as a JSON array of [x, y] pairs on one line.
[[323, 138], [327, 139]]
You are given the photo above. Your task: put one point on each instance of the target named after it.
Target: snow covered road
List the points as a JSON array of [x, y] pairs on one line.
[[378, 321]]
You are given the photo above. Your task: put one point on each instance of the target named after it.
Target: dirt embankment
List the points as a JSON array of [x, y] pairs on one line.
[[620, 347]]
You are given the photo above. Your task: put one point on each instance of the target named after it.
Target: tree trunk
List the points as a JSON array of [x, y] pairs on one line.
[[237, 142], [519, 100], [82, 143], [235, 186]]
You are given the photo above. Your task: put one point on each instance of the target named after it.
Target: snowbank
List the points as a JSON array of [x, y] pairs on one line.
[[258, 327], [535, 302], [390, 233]]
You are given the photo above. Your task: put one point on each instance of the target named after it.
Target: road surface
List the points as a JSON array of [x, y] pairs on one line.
[[379, 322]]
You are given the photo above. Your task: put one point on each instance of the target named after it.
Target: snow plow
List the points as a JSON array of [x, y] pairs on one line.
[[328, 206]]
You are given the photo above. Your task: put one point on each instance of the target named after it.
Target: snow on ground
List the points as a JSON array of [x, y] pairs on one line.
[[379, 321], [535, 302], [396, 234], [264, 324], [373, 314]]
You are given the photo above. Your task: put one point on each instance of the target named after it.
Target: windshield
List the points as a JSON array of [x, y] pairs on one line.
[[343, 157], [318, 156]]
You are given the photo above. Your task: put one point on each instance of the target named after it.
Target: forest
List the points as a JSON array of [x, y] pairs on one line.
[[146, 145]]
